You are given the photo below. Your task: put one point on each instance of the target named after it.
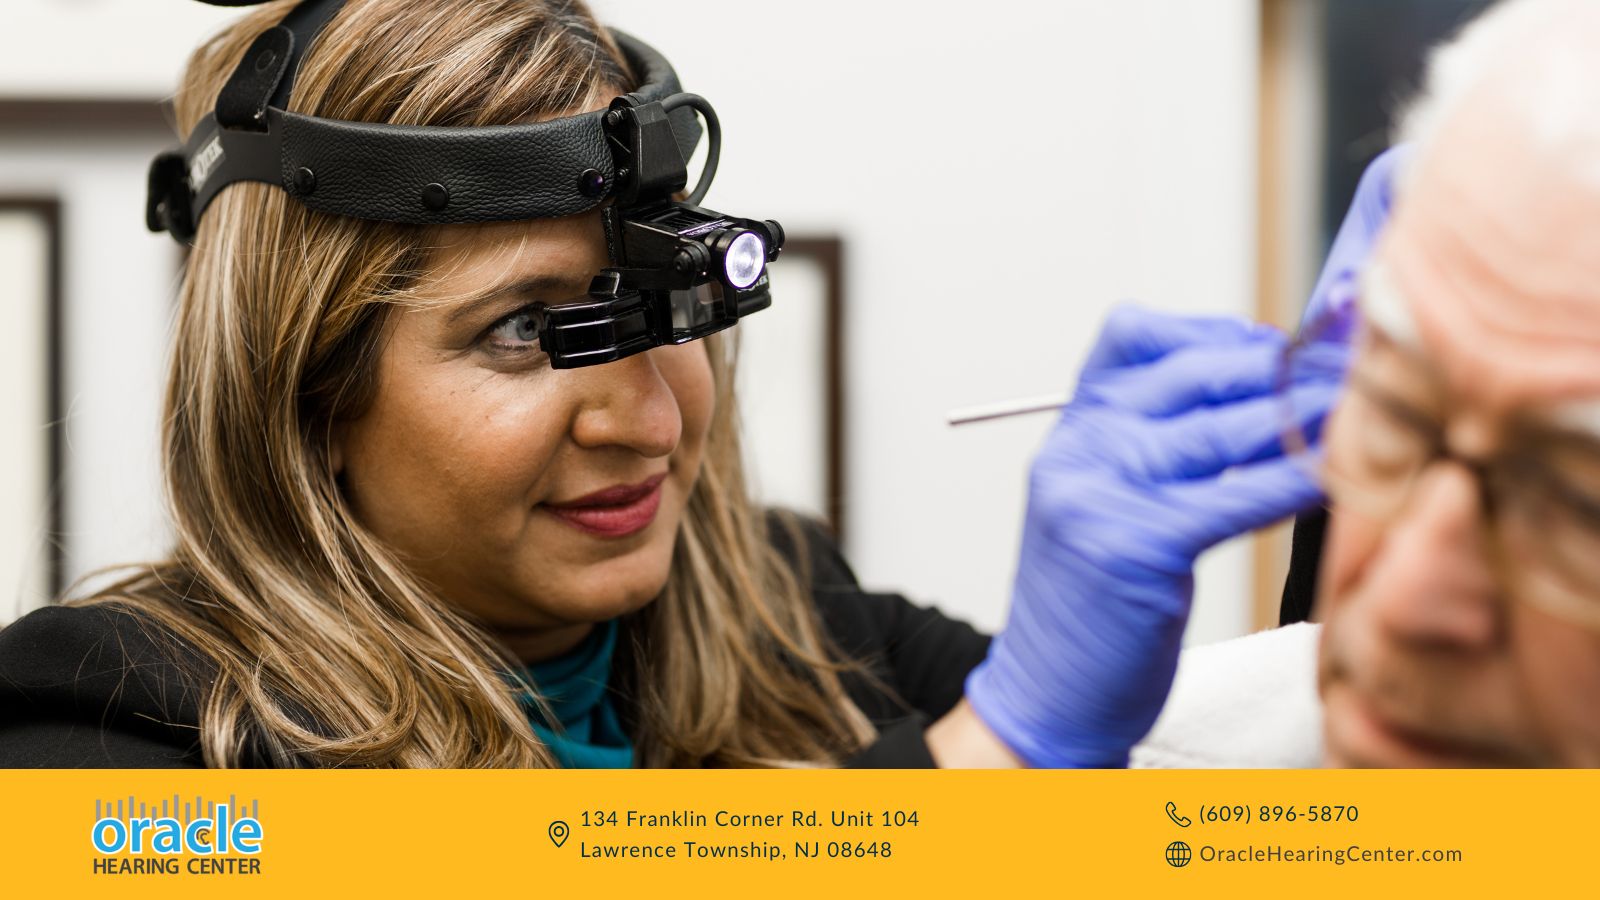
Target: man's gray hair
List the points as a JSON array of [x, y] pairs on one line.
[[1457, 66]]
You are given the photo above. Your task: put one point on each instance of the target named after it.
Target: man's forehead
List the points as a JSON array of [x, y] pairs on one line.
[[1490, 265], [1555, 378], [1503, 200]]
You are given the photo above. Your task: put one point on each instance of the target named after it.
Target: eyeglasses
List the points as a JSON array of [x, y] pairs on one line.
[[1542, 531]]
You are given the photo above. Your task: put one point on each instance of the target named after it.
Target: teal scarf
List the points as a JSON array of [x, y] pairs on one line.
[[574, 685]]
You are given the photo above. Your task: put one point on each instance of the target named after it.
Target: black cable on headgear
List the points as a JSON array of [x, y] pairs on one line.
[[679, 271]]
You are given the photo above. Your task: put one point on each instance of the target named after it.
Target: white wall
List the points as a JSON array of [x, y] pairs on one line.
[[101, 48], [1003, 172]]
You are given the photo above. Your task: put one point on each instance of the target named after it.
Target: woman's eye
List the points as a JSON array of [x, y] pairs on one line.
[[521, 327]]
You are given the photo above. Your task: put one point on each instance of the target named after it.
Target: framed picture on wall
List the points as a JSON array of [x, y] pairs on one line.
[[78, 255], [790, 383], [30, 526]]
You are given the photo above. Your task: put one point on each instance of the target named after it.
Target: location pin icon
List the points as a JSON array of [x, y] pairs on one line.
[[558, 832]]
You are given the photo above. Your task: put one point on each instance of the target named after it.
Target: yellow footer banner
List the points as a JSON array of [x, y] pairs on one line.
[[779, 834]]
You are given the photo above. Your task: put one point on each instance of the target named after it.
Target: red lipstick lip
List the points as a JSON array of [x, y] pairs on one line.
[[619, 495], [629, 509]]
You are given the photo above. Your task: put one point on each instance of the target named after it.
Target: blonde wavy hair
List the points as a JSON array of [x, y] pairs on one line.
[[327, 651]]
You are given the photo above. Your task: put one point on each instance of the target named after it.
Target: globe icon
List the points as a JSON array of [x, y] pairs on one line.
[[1178, 854]]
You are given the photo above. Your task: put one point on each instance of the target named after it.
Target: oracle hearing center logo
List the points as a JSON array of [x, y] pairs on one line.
[[151, 839]]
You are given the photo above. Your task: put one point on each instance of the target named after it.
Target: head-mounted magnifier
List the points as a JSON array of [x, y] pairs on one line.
[[678, 271]]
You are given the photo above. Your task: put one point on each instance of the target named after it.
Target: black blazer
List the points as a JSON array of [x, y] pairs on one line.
[[84, 687]]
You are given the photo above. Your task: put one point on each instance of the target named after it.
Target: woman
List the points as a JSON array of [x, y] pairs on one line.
[[402, 539], [380, 505]]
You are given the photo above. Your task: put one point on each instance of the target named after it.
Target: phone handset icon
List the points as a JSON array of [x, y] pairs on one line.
[[1172, 813]]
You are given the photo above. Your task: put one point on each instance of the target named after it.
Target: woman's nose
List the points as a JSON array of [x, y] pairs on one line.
[[628, 403], [1437, 587]]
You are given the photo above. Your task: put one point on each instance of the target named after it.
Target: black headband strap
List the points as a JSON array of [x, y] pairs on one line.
[[305, 21], [400, 173], [396, 173], [266, 73]]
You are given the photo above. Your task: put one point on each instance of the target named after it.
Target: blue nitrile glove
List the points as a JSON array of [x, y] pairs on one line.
[[1336, 285], [1170, 445]]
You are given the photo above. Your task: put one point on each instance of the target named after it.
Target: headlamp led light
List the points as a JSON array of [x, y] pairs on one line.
[[745, 259], [678, 271]]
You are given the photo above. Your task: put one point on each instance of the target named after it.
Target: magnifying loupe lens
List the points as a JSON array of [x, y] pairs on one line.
[[746, 257]]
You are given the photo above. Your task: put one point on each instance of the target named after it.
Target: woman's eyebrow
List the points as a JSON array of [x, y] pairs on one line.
[[546, 285]]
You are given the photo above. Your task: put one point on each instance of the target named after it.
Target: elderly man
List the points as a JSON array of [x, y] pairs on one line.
[[1460, 582]]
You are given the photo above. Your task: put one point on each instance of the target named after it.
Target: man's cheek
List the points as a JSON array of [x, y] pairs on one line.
[[1558, 665], [1347, 549]]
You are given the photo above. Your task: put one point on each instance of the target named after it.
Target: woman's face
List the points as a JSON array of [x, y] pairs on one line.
[[479, 464]]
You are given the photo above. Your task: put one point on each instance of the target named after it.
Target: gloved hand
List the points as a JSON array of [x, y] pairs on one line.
[[1335, 290], [1170, 445]]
